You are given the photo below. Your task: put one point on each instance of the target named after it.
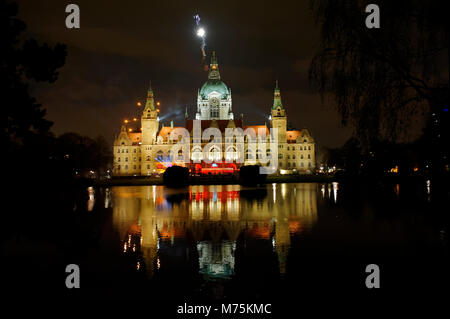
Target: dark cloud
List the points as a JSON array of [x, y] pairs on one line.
[[121, 46]]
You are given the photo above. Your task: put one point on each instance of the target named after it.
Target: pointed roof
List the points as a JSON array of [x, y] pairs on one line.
[[214, 123], [214, 68], [150, 104], [231, 124], [277, 97]]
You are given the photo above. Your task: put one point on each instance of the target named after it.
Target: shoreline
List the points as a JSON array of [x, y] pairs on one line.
[[222, 180]]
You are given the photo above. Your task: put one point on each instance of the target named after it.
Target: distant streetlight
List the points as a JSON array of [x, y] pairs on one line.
[[126, 121], [158, 103], [139, 104]]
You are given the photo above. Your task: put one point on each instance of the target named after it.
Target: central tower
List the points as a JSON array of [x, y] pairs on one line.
[[214, 98]]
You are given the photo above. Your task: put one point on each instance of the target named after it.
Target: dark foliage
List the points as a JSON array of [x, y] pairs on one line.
[[250, 176], [382, 80], [176, 176]]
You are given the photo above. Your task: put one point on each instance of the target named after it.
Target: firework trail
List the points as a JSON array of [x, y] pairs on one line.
[[201, 34]]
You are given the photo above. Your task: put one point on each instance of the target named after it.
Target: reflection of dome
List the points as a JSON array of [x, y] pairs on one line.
[[214, 85]]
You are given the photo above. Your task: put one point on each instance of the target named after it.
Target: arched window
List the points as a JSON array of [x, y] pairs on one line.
[[214, 154], [248, 154], [180, 155], [231, 154], [197, 154], [258, 154]]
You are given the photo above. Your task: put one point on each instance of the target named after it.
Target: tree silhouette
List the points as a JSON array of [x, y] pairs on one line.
[[381, 78], [24, 130]]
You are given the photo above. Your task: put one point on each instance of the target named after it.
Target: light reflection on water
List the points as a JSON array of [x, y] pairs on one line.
[[154, 221]]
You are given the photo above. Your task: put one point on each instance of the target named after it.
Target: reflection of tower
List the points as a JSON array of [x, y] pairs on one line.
[[149, 243], [282, 241]]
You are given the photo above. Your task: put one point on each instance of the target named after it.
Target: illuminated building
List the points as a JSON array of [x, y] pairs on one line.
[[149, 151]]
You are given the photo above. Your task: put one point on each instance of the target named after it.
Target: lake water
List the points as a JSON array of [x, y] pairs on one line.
[[228, 242]]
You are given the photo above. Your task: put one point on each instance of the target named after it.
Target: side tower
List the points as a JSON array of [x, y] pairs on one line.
[[149, 120], [279, 121], [278, 115], [150, 126]]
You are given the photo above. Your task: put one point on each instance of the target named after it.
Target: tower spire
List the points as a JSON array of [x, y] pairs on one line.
[[214, 68], [277, 97], [150, 104]]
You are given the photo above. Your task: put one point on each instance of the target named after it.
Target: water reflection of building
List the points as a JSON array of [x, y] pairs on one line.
[[212, 217], [216, 260]]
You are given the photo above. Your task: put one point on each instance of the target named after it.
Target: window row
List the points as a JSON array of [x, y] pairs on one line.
[[126, 150], [134, 159]]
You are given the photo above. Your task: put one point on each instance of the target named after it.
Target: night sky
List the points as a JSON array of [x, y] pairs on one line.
[[122, 45]]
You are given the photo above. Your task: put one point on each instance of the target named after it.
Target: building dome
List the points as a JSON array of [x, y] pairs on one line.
[[214, 85]]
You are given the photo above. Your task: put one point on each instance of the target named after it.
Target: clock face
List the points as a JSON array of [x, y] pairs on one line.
[[214, 102]]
